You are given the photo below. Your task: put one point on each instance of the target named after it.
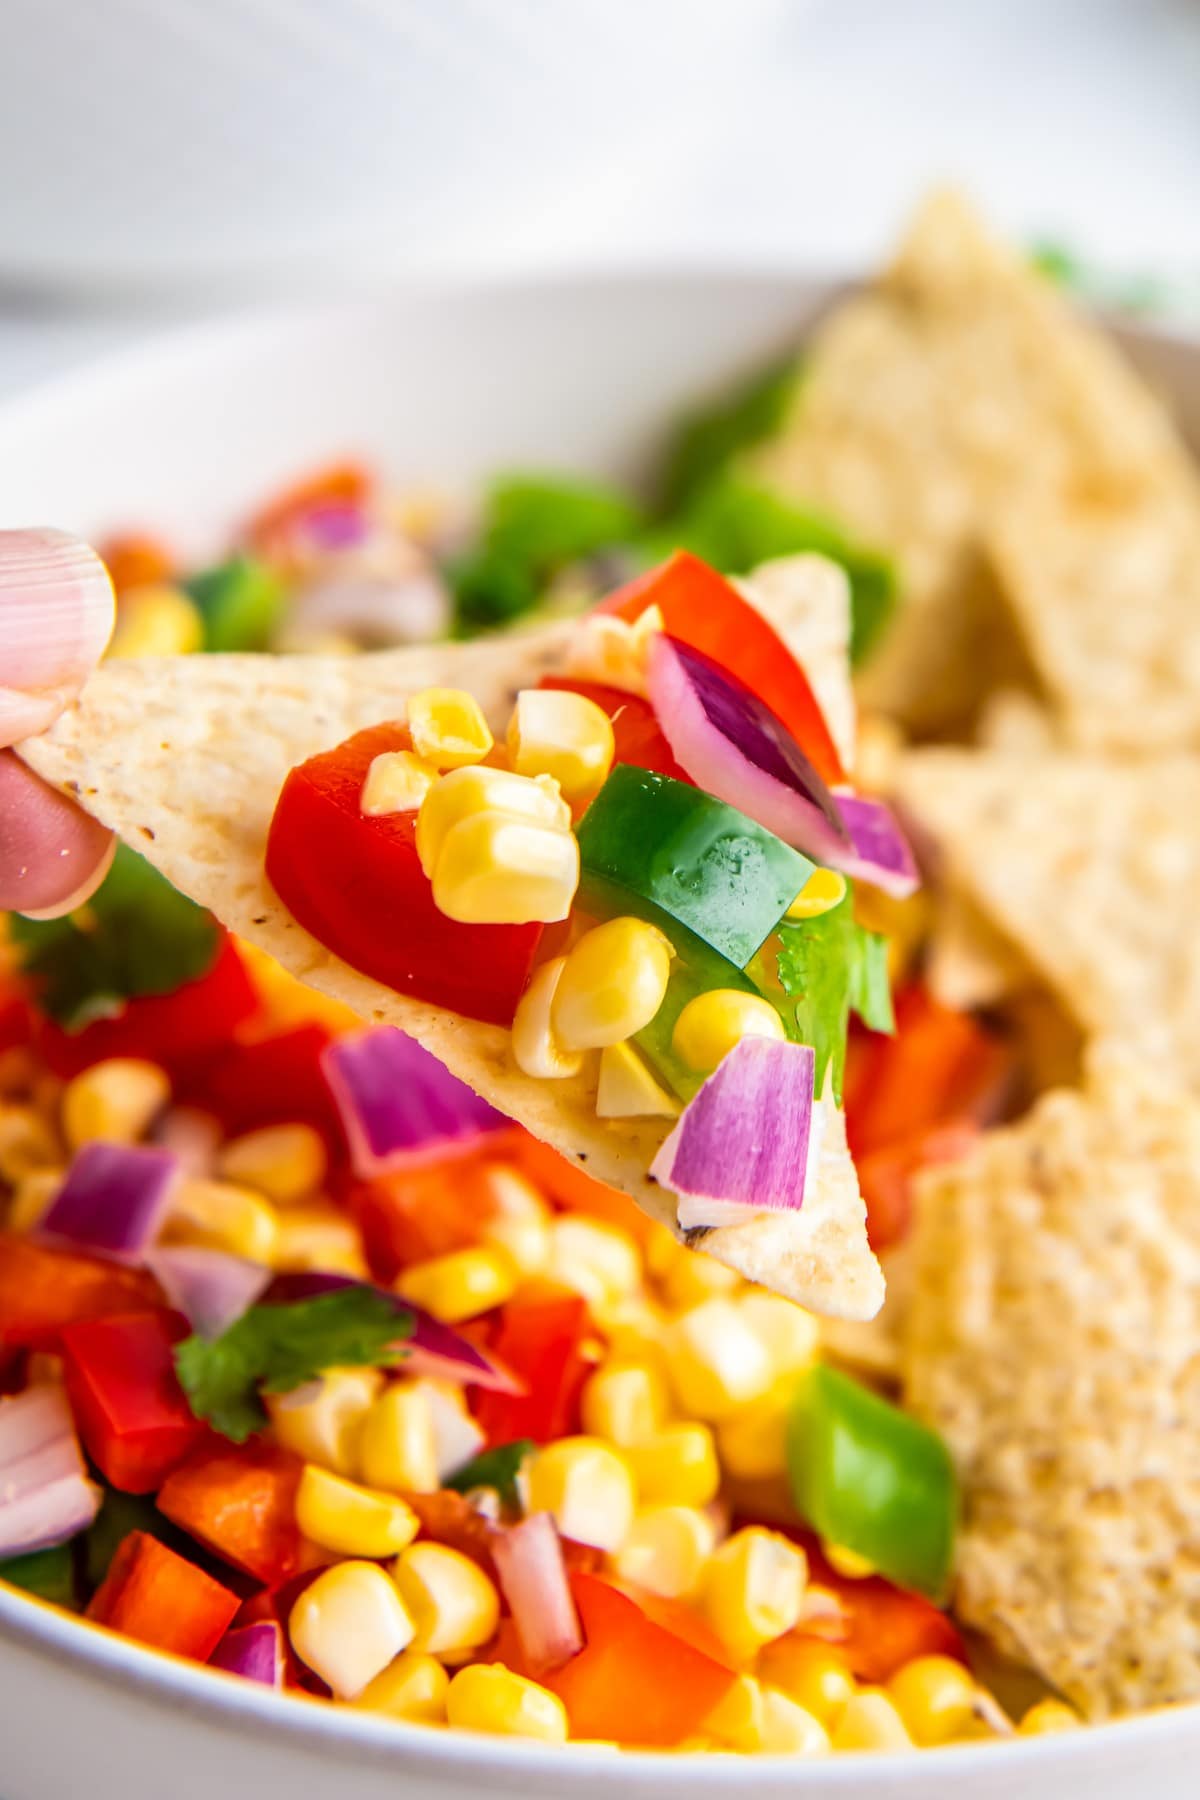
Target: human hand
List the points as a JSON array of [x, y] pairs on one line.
[[56, 615]]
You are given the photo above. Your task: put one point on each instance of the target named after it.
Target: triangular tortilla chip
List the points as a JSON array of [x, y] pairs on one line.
[[1091, 868], [184, 758]]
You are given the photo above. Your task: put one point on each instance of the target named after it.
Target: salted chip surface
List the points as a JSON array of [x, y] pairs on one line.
[[184, 758], [1054, 1340]]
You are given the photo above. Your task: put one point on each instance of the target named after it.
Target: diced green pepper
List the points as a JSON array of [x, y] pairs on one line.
[[240, 601], [496, 1468], [871, 1479], [119, 1515], [696, 859], [50, 1574]]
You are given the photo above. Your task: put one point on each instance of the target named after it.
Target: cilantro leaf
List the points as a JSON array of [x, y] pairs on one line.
[[829, 967], [273, 1349], [136, 935], [496, 1468]]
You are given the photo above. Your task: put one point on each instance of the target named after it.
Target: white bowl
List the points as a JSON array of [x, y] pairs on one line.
[[441, 385]]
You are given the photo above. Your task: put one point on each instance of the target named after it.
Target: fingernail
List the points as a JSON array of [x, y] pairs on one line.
[[56, 615]]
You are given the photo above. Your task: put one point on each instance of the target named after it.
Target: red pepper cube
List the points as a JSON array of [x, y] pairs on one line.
[[882, 1626], [541, 1340], [44, 1289], [132, 1413], [161, 1599], [241, 1503], [276, 1080]]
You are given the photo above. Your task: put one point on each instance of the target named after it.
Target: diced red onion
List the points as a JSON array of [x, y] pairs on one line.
[[45, 1496], [881, 854], [399, 1105], [193, 1137], [746, 1142], [533, 1578], [253, 1651], [113, 1199], [210, 1288]]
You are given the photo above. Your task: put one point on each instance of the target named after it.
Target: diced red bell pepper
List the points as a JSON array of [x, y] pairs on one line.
[[44, 1289], [882, 1626], [570, 1186], [135, 559], [357, 884], [648, 1673], [541, 1339], [638, 738], [700, 608], [132, 1413], [885, 1176], [450, 1519], [344, 483], [941, 1066], [273, 1081], [16, 1019], [161, 1599], [241, 1503], [414, 1214]]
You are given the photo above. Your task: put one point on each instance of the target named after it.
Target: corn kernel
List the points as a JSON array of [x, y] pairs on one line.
[[323, 1422], [597, 1260], [412, 1688], [114, 1101], [355, 1521], [453, 1604], [792, 1336], [156, 621], [752, 1442], [677, 1467], [518, 1220], [396, 782], [789, 1729], [810, 1673], [624, 1403], [736, 1721], [613, 651], [319, 1237], [349, 1625], [627, 1089], [710, 1025], [935, 1696], [494, 869], [397, 1449], [535, 1048], [847, 1562], [613, 984], [823, 890], [284, 1162], [448, 727], [218, 1216], [589, 1488], [566, 735], [488, 1697], [456, 1436], [31, 1197], [869, 1721], [753, 1589], [286, 1001], [460, 1285], [715, 1362], [633, 1327], [465, 793], [665, 1550], [691, 1277], [1047, 1716]]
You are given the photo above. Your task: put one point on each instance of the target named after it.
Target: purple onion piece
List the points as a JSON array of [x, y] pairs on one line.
[[211, 1289], [114, 1198], [399, 1104], [252, 1651]]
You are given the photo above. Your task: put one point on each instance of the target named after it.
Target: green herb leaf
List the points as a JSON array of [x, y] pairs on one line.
[[240, 602], [274, 1349], [135, 936], [48, 1573], [870, 989], [707, 439], [496, 1468], [829, 967]]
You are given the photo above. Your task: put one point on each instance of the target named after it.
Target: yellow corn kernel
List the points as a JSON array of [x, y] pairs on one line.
[[448, 727], [625, 1403], [1046, 1716], [736, 1721], [535, 1048], [935, 1696], [792, 1336], [114, 1101], [612, 985], [286, 1001], [460, 1285], [465, 793], [518, 1219], [753, 1589], [691, 1277], [665, 1550], [847, 1562], [488, 1697], [494, 869], [456, 1436], [396, 782], [323, 1422], [823, 890], [156, 621], [810, 1673], [715, 1362], [453, 1604], [613, 651], [752, 1442], [633, 1327], [789, 1729], [627, 1089], [677, 1467], [555, 732], [321, 1238], [869, 1721], [349, 1625], [284, 1162], [710, 1025], [412, 1688], [397, 1449], [31, 1196], [589, 1488], [355, 1521], [599, 1261], [219, 1216]]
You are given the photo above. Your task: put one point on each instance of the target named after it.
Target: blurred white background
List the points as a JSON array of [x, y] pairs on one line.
[[163, 157]]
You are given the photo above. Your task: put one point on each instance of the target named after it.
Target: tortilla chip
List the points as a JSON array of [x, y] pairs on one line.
[[184, 758], [1091, 868], [956, 379], [1053, 1341]]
